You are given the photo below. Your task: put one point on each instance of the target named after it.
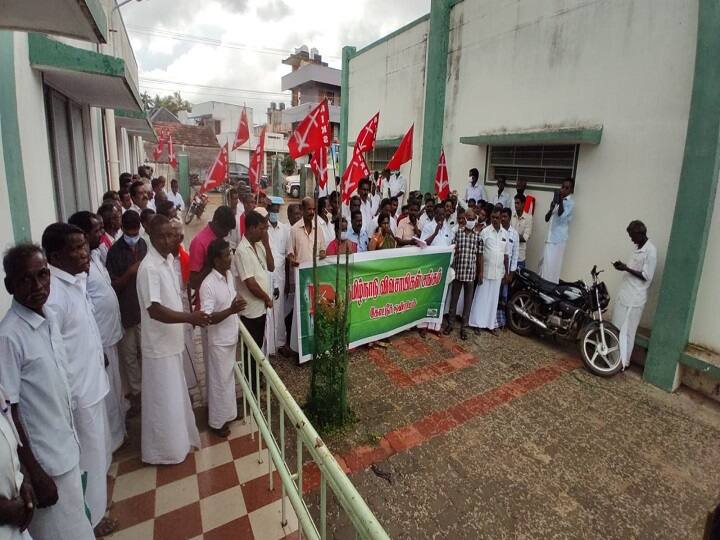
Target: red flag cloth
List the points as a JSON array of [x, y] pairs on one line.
[[529, 205], [242, 135], [319, 166], [442, 186], [256, 163], [171, 154], [356, 169], [218, 172], [366, 138], [312, 133], [403, 154], [158, 150]]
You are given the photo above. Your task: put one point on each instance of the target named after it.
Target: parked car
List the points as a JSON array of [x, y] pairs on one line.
[[292, 185], [240, 173]]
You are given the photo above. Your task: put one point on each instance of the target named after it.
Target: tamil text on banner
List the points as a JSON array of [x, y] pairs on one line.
[[390, 291]]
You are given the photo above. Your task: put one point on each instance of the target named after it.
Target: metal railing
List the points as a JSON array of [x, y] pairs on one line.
[[361, 517]]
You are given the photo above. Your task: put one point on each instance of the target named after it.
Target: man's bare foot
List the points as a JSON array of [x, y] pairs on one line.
[[105, 527]]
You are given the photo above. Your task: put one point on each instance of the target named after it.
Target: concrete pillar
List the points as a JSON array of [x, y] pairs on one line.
[[112, 157]]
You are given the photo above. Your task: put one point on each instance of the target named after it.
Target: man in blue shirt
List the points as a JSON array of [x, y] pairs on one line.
[[357, 232], [560, 215]]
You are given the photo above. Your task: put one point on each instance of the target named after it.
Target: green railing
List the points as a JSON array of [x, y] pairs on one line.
[[357, 511]]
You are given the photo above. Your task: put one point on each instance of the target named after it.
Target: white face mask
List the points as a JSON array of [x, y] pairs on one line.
[[470, 225], [343, 235]]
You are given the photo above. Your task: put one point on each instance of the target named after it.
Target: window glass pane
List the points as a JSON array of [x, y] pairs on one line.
[[82, 188], [62, 151]]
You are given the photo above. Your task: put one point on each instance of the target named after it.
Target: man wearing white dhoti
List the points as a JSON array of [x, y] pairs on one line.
[[67, 251], [396, 187], [495, 266], [33, 373], [221, 303], [560, 215], [168, 430], [637, 277], [279, 236], [106, 311]]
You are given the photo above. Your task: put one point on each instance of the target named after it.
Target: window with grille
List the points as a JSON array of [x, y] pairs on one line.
[[541, 166]]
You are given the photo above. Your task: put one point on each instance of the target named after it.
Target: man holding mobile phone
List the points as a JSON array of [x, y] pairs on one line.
[[559, 216]]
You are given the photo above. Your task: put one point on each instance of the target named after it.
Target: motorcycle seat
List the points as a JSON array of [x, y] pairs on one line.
[[548, 287]]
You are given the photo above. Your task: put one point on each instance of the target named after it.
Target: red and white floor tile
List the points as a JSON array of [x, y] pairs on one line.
[[218, 492]]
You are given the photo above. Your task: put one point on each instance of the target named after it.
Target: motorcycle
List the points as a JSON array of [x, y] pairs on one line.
[[196, 207], [571, 311]]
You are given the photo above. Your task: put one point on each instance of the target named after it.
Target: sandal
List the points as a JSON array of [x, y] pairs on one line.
[[463, 334], [223, 432], [448, 329], [105, 527]]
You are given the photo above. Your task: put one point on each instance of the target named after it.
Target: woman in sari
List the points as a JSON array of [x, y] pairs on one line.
[[383, 238]]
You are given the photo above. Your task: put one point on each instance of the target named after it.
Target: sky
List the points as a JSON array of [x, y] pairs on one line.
[[231, 50]]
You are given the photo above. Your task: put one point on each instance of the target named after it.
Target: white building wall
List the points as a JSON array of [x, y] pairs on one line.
[[7, 237], [627, 65], [390, 78], [705, 326]]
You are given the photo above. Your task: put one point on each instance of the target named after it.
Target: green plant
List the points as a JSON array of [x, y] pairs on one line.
[[288, 165]]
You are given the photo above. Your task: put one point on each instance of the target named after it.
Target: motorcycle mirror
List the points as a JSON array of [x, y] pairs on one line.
[[593, 272]]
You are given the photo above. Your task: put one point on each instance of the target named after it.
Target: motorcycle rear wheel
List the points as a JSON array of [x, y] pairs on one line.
[[604, 363], [189, 215], [517, 323]]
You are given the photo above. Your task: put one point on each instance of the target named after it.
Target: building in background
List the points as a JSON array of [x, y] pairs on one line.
[[622, 96], [71, 117]]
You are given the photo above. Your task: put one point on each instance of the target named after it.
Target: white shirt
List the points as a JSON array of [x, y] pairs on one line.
[[523, 226], [496, 246], [476, 192], [633, 291], [504, 199], [176, 199], [396, 185], [71, 308], [33, 374], [137, 209], [252, 263], [559, 228], [514, 239], [157, 282], [368, 210], [104, 301], [151, 204], [375, 200], [279, 237], [445, 235], [423, 220], [10, 476], [327, 229], [217, 292]]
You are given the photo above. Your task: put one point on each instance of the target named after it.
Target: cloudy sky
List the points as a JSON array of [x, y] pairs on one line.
[[231, 50]]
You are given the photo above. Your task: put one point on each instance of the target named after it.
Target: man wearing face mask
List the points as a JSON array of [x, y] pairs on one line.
[[123, 261], [279, 237]]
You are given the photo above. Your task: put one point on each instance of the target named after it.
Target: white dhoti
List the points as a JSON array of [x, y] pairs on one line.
[[627, 319], [222, 400], [66, 519], [205, 353], [93, 434], [275, 335], [115, 403], [168, 430], [484, 308], [551, 264]]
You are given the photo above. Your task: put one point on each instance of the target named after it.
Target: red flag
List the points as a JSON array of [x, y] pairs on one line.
[[218, 172], [243, 131], [442, 186], [319, 166], [158, 150], [356, 169], [171, 154], [256, 162], [312, 133], [366, 138], [403, 154]]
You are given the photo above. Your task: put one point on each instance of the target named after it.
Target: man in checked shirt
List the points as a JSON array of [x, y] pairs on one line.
[[468, 254]]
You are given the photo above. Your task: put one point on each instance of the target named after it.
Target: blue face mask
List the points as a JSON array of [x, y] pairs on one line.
[[273, 217], [131, 240]]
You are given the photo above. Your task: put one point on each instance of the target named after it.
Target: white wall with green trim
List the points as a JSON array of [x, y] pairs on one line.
[[6, 230]]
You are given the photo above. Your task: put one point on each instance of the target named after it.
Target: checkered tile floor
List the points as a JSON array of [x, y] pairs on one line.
[[218, 492]]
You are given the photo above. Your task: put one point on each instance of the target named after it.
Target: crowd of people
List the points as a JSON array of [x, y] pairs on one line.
[[101, 322]]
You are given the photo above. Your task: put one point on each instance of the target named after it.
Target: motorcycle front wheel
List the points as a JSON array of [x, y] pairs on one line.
[[522, 299], [189, 215], [599, 359]]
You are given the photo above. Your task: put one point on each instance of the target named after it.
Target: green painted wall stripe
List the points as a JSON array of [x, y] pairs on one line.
[[693, 207], [347, 53], [391, 35], [97, 15], [590, 135], [48, 53], [436, 82], [12, 148]]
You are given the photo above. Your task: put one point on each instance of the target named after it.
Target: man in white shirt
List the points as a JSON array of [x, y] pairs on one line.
[[279, 237], [375, 195], [560, 215], [106, 310], [495, 266], [168, 430], [522, 223], [514, 239], [503, 198], [632, 296], [33, 374], [139, 197], [67, 251], [220, 302], [174, 196], [366, 206], [475, 189], [254, 261], [396, 187]]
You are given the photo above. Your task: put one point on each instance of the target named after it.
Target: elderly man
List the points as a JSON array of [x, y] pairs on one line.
[[139, 197], [67, 251], [33, 373], [637, 277]]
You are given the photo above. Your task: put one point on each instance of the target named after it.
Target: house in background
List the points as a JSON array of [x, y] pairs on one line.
[[71, 117]]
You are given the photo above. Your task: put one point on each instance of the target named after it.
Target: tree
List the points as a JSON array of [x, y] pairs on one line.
[[173, 103], [288, 165]]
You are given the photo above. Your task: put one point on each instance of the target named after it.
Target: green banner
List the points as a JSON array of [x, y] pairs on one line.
[[390, 291]]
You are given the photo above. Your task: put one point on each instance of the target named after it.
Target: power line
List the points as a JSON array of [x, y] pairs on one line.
[[211, 87], [155, 88]]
